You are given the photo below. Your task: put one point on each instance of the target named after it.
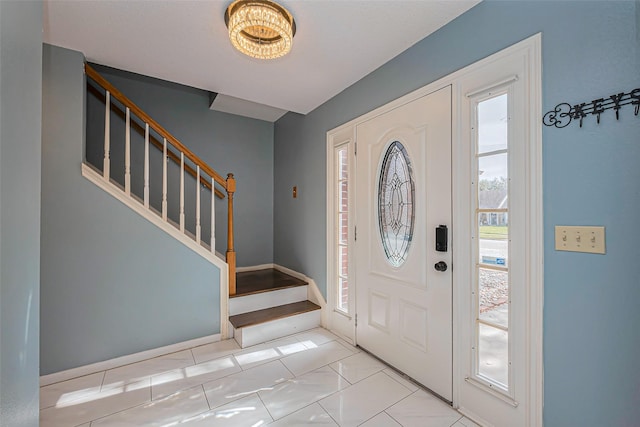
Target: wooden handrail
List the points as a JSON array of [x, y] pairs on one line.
[[229, 184], [96, 77], [154, 141]]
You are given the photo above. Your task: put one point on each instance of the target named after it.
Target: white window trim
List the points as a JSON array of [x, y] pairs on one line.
[[338, 321], [530, 49]]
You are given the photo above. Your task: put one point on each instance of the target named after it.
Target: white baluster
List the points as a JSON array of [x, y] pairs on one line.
[[213, 215], [164, 180], [146, 165], [127, 154], [198, 230], [106, 166], [182, 192]]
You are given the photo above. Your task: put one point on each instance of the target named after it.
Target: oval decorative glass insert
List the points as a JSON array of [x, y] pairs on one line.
[[395, 203]]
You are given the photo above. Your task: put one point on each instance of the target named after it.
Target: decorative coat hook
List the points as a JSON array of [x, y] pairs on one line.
[[564, 113]]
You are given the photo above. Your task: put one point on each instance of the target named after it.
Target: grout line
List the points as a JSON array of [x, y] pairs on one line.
[[340, 375], [285, 367], [391, 416], [325, 409], [205, 396], [265, 406], [104, 375], [370, 418]]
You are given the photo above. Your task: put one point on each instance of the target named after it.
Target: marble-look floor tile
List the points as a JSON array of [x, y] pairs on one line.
[[215, 350], [291, 395], [315, 337], [312, 415], [465, 422], [356, 404], [422, 409], [242, 384], [263, 353], [402, 380], [248, 411], [314, 358], [358, 367], [92, 406], [171, 410], [181, 379], [147, 368], [381, 420], [68, 391]]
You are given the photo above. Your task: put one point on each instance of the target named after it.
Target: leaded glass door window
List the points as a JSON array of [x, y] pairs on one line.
[[396, 209]]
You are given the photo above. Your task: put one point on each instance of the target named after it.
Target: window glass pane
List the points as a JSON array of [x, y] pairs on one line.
[[343, 228], [493, 238], [395, 204], [343, 294], [492, 182], [493, 287], [493, 354], [343, 189], [492, 124], [343, 165], [343, 266], [342, 232]]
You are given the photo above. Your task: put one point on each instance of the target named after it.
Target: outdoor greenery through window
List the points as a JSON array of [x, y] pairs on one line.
[[491, 294]]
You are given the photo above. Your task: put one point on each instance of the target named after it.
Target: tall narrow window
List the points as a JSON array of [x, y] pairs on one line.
[[492, 285], [342, 221]]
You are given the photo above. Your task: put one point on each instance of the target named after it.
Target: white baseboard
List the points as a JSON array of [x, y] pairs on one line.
[[124, 360], [254, 267]]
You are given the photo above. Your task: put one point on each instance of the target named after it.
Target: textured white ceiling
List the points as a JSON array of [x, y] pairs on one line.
[[337, 43]]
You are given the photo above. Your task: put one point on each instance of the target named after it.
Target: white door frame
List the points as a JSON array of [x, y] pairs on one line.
[[529, 51]]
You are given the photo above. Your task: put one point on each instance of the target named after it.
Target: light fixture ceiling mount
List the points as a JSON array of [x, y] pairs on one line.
[[260, 28]]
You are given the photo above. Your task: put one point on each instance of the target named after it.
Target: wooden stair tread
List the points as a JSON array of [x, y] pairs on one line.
[[273, 313], [265, 280]]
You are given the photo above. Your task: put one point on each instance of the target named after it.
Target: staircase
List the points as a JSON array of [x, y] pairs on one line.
[[270, 304], [264, 304]]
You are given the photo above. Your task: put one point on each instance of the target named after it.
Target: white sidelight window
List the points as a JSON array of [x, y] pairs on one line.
[[491, 290], [342, 232]]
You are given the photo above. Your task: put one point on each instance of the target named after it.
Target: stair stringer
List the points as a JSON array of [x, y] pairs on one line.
[[214, 258]]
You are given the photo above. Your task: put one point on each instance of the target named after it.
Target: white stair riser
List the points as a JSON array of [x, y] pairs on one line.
[[257, 334], [245, 304]]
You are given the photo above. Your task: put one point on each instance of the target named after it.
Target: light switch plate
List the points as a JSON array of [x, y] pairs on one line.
[[580, 239]]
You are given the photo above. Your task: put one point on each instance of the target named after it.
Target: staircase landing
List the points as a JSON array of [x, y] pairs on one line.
[[266, 280]]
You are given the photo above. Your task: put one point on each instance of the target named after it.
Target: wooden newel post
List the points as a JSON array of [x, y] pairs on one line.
[[231, 253]]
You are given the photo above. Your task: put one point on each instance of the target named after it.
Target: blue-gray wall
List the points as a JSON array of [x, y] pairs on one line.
[[591, 177], [112, 283], [227, 142], [20, 129]]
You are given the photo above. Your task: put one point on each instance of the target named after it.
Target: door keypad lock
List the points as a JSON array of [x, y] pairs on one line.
[[441, 238]]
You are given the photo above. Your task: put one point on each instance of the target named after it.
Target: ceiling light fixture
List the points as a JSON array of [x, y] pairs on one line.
[[260, 28]]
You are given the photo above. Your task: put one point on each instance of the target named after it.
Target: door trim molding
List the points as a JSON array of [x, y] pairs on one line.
[[531, 49]]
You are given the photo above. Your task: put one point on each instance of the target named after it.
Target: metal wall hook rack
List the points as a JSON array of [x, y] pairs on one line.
[[564, 113]]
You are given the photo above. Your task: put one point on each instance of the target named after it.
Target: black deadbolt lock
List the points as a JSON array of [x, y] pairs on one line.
[[440, 266]]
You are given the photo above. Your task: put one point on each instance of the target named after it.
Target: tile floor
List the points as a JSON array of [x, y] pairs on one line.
[[312, 378]]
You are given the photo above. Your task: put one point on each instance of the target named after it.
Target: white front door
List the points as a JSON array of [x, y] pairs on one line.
[[403, 193]]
